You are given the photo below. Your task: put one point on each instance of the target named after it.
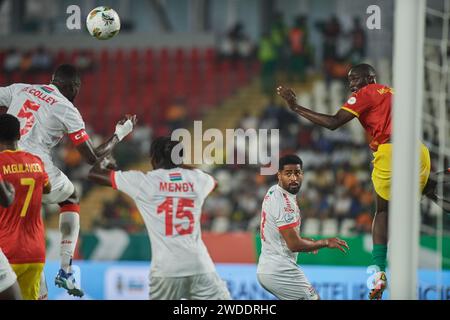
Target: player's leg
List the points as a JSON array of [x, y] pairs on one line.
[[288, 286], [9, 288], [10, 293], [173, 288], [29, 279], [43, 289], [69, 226], [63, 193], [208, 286], [381, 179], [379, 251]]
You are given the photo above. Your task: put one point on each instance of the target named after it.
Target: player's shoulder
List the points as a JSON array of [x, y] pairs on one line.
[[29, 155], [24, 156], [374, 88], [273, 194], [16, 87]]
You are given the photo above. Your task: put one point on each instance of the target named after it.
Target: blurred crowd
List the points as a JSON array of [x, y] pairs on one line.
[[289, 49], [39, 60], [336, 183]]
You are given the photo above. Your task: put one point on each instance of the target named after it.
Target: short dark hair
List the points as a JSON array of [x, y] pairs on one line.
[[9, 128], [66, 74], [289, 159], [161, 152], [364, 69]]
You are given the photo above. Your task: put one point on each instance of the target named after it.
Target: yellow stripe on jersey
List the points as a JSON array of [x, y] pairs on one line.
[[351, 111]]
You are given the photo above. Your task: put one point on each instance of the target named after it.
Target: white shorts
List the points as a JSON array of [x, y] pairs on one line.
[[7, 275], [207, 286], [62, 188], [288, 286]]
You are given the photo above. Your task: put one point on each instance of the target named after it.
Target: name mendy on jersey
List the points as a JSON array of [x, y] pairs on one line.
[[176, 186], [238, 145]]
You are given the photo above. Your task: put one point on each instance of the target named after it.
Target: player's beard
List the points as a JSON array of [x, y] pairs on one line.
[[294, 188]]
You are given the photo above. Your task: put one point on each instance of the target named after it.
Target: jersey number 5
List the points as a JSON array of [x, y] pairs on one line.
[[25, 113], [182, 213]]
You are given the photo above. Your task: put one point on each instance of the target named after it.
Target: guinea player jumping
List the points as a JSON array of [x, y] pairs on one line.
[[371, 103]]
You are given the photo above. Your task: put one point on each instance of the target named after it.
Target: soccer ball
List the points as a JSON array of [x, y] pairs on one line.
[[103, 23]]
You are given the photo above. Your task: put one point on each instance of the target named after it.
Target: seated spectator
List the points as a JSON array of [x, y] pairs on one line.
[[84, 61], [26, 62], [12, 61], [176, 114], [41, 60]]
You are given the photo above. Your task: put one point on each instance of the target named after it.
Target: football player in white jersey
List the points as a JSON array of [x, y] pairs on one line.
[[9, 288], [170, 200], [277, 270], [47, 113]]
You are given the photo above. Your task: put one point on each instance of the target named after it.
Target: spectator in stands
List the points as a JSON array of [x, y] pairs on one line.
[[237, 44], [142, 137], [269, 117], [335, 67], [26, 63], [12, 61], [298, 47], [279, 38], [84, 61], [331, 31], [41, 60], [342, 204], [357, 35], [248, 121], [268, 56], [176, 114]]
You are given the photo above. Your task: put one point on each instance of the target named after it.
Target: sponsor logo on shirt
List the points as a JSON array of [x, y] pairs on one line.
[[385, 90], [352, 100], [289, 217]]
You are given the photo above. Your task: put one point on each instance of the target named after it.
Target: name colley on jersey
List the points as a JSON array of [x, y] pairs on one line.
[[175, 185], [41, 95]]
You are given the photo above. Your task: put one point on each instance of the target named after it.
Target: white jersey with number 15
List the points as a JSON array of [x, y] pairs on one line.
[[170, 202]]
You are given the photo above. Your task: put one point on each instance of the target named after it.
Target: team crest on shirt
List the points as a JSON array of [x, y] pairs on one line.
[[352, 100], [289, 217]]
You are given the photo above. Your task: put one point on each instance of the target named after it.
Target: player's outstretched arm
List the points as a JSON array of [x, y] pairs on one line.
[[296, 243], [7, 193], [99, 174], [331, 122], [93, 155]]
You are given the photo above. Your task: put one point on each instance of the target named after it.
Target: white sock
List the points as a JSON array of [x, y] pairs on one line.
[[69, 226]]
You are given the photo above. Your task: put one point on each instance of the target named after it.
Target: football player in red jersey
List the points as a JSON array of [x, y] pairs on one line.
[[9, 288], [22, 236], [371, 103]]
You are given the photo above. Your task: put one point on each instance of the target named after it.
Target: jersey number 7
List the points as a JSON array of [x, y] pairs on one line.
[[182, 213], [25, 113]]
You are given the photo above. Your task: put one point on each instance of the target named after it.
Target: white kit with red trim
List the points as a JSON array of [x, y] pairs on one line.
[[279, 211], [170, 202], [45, 116]]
